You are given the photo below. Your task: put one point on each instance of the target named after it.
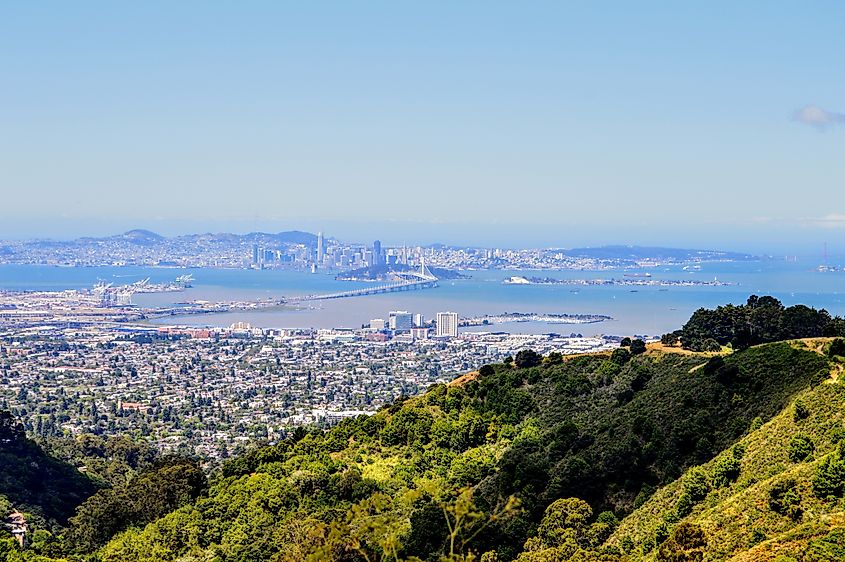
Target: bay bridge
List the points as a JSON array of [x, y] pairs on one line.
[[408, 281]]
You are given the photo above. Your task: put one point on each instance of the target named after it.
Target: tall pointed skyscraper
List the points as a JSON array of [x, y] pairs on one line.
[[377, 253], [321, 248]]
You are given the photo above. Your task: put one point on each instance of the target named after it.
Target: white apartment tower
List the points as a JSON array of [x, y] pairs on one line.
[[447, 324], [400, 320]]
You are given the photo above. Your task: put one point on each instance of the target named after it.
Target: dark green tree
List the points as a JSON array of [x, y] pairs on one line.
[[637, 347], [146, 498], [527, 358]]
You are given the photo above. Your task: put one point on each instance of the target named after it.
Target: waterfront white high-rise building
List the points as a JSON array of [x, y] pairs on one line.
[[447, 324], [419, 320], [400, 320]]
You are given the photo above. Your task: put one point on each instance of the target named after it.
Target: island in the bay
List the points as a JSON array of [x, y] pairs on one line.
[[548, 318], [644, 280]]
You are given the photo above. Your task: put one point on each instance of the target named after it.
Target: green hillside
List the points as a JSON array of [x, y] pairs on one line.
[[31, 480], [606, 429], [655, 454], [776, 493]]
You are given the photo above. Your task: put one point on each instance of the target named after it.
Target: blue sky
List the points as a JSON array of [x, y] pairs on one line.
[[559, 123]]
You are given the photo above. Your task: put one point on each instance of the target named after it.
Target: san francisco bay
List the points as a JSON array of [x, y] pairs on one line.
[[647, 309]]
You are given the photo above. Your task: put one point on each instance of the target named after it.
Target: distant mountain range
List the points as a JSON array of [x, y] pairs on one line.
[[143, 237], [147, 238], [654, 252]]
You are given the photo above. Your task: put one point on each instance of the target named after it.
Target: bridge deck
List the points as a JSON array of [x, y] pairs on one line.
[[381, 289]]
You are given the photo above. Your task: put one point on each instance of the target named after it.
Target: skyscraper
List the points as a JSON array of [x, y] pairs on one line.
[[400, 320], [377, 252], [321, 248], [447, 324]]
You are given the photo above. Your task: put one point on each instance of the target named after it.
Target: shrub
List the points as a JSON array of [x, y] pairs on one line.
[[648, 545], [661, 533], [800, 447], [554, 358], [620, 356], [800, 410], [686, 543], [726, 469], [829, 480], [471, 466], [609, 518], [828, 547], [837, 347], [607, 371], [713, 365], [695, 488], [527, 358], [757, 536], [627, 544], [637, 347], [645, 492], [487, 371], [711, 345], [624, 396], [640, 381], [670, 340], [785, 500], [837, 432], [684, 506], [695, 484]]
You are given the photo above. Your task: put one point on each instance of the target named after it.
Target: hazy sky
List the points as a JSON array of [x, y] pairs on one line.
[[595, 121]]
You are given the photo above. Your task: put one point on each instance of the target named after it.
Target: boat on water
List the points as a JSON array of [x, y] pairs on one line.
[[185, 280], [516, 280]]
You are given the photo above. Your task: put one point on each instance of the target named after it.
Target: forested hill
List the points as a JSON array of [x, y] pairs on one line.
[[32, 480], [774, 495], [655, 453], [433, 475]]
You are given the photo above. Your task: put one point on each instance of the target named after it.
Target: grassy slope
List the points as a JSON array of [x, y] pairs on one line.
[[515, 430], [737, 518], [680, 416]]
